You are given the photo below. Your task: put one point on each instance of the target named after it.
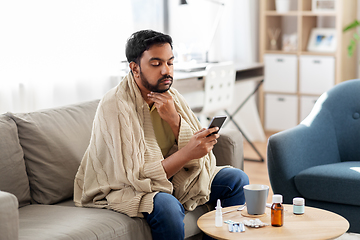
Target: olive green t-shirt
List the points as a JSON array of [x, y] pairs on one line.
[[164, 135]]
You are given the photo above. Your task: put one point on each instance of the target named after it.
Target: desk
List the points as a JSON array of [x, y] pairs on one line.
[[315, 223], [191, 85], [244, 71]]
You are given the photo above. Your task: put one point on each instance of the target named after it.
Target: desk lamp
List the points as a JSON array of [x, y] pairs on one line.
[[216, 24]]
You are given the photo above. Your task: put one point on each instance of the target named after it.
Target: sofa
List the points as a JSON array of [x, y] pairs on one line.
[[319, 159], [40, 153]]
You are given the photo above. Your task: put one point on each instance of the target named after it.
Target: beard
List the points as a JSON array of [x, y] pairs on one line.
[[156, 87]]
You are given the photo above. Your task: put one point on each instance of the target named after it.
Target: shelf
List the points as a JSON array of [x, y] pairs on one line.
[[291, 93], [300, 53], [275, 13], [283, 93], [309, 94], [316, 14], [280, 52], [318, 53], [303, 13]]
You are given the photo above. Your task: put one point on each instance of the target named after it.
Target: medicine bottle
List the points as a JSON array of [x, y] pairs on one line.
[[218, 214], [298, 205], [277, 211]]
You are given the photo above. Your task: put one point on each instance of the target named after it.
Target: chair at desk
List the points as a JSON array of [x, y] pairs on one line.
[[219, 90]]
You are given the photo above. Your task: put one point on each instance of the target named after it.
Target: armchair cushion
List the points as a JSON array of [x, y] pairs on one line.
[[332, 182]]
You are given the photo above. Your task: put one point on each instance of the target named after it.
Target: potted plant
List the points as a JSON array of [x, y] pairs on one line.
[[355, 38]]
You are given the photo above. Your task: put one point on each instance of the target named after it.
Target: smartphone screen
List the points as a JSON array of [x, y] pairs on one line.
[[217, 121]]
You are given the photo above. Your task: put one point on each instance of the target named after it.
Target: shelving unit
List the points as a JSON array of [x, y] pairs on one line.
[[295, 79]]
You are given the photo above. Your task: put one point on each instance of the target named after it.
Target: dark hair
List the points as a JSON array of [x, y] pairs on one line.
[[141, 41]]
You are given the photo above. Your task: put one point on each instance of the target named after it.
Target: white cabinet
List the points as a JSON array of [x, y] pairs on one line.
[[281, 111], [280, 73], [307, 104], [290, 67], [317, 74]]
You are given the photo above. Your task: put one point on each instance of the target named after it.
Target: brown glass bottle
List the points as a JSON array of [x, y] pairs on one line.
[[277, 211]]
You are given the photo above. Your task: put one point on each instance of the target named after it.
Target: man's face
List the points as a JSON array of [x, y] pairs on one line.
[[156, 68]]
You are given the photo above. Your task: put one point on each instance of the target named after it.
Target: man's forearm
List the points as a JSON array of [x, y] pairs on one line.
[[200, 144], [175, 162]]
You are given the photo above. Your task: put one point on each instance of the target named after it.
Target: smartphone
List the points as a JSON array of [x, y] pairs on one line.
[[217, 121]]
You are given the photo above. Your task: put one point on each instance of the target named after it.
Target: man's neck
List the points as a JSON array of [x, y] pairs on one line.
[[147, 100], [144, 92]]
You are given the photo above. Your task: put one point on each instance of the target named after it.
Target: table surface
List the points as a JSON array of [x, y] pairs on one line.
[[315, 223], [239, 67]]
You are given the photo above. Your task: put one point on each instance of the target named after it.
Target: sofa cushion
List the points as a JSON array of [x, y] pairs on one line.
[[13, 176], [54, 142], [59, 222], [229, 149], [41, 221], [190, 220], [337, 183]]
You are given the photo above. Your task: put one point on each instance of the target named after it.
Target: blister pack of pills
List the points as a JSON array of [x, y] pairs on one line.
[[235, 226]]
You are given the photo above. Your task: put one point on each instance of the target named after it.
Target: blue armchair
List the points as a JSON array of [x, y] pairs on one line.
[[319, 159]]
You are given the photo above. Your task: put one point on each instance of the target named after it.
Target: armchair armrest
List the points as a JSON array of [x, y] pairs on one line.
[[9, 216], [229, 149]]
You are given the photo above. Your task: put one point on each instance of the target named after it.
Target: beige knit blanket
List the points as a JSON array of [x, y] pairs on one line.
[[121, 169]]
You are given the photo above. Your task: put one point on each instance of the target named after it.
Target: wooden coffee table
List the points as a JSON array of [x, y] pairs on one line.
[[315, 223]]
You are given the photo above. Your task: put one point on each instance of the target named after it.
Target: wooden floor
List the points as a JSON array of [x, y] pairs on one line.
[[257, 171]]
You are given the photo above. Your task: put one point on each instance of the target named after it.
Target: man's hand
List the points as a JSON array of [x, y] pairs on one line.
[[202, 142], [199, 145], [165, 106]]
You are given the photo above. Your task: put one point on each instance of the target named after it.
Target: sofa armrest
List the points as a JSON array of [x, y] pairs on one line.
[[9, 216], [229, 149]]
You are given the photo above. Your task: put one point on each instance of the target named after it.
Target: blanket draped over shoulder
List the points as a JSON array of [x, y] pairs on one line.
[[121, 168]]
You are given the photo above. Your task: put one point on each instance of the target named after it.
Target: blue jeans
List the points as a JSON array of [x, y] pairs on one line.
[[167, 218]]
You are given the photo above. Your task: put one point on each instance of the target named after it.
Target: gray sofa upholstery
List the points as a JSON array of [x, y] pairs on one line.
[[39, 156], [320, 158]]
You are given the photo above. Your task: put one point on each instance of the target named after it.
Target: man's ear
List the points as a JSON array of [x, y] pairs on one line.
[[135, 69]]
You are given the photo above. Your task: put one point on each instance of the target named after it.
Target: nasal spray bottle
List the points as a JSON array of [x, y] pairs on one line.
[[218, 215]]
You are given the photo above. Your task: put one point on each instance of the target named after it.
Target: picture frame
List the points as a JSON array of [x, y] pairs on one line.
[[322, 40], [323, 5]]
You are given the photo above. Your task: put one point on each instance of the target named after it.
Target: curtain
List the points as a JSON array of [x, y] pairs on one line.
[[59, 52]]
